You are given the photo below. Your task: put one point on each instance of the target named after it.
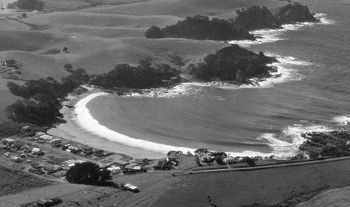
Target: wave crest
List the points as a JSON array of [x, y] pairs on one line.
[[273, 35]]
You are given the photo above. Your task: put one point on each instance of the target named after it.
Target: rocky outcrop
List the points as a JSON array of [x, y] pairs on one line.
[[232, 63], [202, 28], [261, 17], [256, 18], [294, 12]]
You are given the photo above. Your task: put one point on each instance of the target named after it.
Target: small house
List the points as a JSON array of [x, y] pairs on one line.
[[37, 151], [26, 129], [46, 137], [114, 169], [55, 141], [38, 134], [8, 141], [70, 163], [16, 159]]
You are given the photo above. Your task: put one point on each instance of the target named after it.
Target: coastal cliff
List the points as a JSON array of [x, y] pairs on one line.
[[256, 17], [201, 28], [232, 63], [261, 17]]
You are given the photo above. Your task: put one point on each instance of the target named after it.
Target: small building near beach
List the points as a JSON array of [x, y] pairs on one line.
[[37, 151], [46, 137], [70, 163]]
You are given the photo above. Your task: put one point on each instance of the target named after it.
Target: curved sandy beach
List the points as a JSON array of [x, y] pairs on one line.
[[91, 125], [84, 120]]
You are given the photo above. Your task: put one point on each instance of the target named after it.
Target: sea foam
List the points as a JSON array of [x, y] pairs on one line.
[[342, 120], [286, 71], [273, 35], [286, 149]]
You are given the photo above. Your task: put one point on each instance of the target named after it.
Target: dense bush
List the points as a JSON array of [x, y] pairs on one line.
[[141, 76], [335, 143], [250, 161], [294, 12], [232, 63], [9, 129], [220, 157], [201, 28], [40, 110], [256, 18], [88, 173], [42, 98], [154, 32]]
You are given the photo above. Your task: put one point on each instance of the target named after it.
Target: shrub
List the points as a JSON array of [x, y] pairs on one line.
[[138, 77], [87, 173], [154, 32], [256, 18], [250, 161]]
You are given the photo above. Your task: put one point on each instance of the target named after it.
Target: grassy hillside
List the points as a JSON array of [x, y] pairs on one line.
[[100, 34]]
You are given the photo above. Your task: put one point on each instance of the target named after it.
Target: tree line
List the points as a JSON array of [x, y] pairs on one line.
[[42, 99], [256, 17]]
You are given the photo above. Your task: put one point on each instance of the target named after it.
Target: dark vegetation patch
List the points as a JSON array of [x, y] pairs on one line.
[[201, 28], [204, 28], [232, 63], [141, 76], [321, 145], [42, 99]]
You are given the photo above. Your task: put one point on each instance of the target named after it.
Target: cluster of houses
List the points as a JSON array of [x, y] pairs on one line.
[[121, 167], [82, 150], [11, 68], [204, 156], [18, 151], [171, 162]]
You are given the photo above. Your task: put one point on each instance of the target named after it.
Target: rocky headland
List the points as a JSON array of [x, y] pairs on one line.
[[256, 17]]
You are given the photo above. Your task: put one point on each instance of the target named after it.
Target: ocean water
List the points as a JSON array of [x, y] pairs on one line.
[[310, 92]]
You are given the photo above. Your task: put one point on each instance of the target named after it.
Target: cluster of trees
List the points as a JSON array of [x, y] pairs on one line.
[[261, 17], [256, 17], [88, 173], [144, 75], [333, 144], [294, 12], [232, 63], [28, 5], [41, 99], [201, 28]]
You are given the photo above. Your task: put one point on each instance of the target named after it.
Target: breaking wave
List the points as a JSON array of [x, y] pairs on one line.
[[342, 120], [285, 66], [285, 71], [284, 145], [273, 35]]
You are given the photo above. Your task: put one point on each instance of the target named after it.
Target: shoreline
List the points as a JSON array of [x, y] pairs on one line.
[[82, 127], [72, 131], [80, 122]]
